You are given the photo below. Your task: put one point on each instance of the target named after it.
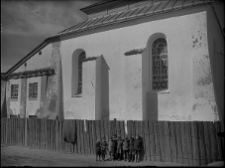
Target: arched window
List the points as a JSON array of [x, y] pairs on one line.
[[80, 62], [159, 65], [77, 61]]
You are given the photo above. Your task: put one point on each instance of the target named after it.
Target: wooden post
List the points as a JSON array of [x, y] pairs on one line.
[[152, 141], [147, 141], [217, 126], [179, 142], [91, 136], [195, 145], [162, 142], [202, 144], [184, 139]]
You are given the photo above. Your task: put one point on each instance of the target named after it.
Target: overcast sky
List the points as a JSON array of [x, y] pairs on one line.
[[25, 24]]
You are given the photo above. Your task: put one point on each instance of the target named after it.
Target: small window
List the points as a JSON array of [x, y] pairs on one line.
[[33, 88], [160, 65], [14, 91]]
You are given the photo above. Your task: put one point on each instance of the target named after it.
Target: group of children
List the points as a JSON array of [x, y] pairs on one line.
[[129, 149]]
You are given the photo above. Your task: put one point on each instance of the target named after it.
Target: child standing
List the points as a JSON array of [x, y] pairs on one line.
[[115, 147], [138, 145], [119, 148], [125, 149], [131, 149], [111, 148], [98, 150], [103, 148]]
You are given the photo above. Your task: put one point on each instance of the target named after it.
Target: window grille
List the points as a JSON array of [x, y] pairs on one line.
[[80, 62], [14, 91], [160, 65], [33, 90]]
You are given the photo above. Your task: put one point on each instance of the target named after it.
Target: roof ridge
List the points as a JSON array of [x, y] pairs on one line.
[[100, 16]]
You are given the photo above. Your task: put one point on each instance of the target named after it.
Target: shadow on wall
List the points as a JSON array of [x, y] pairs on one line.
[[4, 108], [152, 106], [52, 100]]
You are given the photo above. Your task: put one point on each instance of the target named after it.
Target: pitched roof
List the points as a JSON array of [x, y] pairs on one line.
[[138, 12], [116, 17]]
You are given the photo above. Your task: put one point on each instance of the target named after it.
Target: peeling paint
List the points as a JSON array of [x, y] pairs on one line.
[[195, 106]]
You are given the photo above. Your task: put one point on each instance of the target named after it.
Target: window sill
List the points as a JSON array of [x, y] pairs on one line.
[[14, 99], [77, 96], [163, 92], [160, 92], [32, 99]]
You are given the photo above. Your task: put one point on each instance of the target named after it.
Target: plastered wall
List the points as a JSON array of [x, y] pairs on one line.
[[128, 86], [13, 105], [191, 92]]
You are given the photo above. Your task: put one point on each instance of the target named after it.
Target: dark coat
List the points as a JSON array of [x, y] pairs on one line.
[[131, 144], [104, 145], [138, 145], [112, 146], [125, 144], [98, 146]]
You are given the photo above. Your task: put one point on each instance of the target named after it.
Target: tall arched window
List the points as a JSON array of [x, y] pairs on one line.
[[80, 62], [77, 61], [159, 65]]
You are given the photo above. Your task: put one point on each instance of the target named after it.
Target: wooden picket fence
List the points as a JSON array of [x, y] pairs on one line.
[[192, 143]]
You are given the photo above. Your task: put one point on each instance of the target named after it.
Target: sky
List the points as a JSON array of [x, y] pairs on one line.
[[27, 23]]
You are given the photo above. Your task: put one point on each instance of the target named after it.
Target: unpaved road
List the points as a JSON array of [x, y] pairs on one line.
[[25, 156]]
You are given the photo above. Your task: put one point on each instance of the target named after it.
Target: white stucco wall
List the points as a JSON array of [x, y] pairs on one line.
[[38, 61], [82, 106], [130, 76], [125, 88], [32, 104], [14, 104]]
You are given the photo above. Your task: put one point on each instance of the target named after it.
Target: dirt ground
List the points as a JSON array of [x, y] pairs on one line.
[[25, 156]]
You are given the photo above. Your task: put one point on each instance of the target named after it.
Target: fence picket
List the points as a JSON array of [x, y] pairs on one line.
[[2, 131], [207, 142], [75, 139], [83, 136], [195, 145], [183, 136], [61, 135], [218, 140], [172, 142], [13, 131], [147, 141], [90, 135], [152, 141], [161, 140], [93, 135], [202, 144], [179, 142], [157, 141]]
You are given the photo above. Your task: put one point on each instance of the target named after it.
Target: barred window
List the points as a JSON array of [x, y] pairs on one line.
[[80, 62], [160, 65], [14, 91], [33, 90]]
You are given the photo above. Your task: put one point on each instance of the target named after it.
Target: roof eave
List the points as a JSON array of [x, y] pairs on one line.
[[33, 52]]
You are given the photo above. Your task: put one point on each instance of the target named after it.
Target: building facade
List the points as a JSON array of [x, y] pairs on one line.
[[143, 60]]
